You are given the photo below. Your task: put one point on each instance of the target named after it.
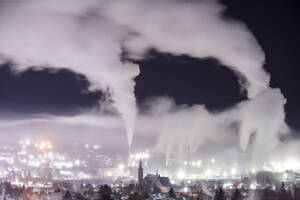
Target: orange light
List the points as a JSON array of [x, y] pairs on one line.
[[44, 145]]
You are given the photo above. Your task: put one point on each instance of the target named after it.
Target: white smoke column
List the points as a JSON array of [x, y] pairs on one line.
[[263, 116], [68, 34], [182, 126], [197, 28], [86, 37], [194, 126]]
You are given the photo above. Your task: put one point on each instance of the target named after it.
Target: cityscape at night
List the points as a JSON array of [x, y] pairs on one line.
[[45, 173], [149, 100]]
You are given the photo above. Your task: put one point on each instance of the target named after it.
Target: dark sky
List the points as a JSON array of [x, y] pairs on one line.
[[187, 80], [44, 91], [275, 24]]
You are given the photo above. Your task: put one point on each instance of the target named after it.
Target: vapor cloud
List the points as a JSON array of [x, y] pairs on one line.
[[88, 37], [70, 36]]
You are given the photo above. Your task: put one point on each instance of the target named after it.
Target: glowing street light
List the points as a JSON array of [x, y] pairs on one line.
[[285, 175], [77, 162], [199, 162], [233, 171], [185, 189], [44, 145], [146, 155], [141, 155], [180, 174], [252, 186], [121, 166]]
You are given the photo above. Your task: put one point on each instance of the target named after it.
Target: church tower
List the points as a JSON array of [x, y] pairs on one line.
[[140, 174]]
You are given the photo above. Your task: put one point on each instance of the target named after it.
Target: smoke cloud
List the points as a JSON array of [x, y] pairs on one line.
[[88, 37], [70, 36]]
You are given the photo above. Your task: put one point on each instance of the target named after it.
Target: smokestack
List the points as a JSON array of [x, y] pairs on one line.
[[188, 155]]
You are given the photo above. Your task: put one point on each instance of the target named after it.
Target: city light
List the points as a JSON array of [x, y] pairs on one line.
[[289, 164], [185, 189], [68, 168], [253, 186], [180, 174], [292, 164], [44, 145], [199, 163], [227, 185], [208, 173], [142, 155], [121, 166], [285, 175], [77, 162], [233, 171]]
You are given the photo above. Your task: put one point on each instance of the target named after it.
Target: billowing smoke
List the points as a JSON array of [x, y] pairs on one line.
[[88, 37], [261, 118], [70, 36], [196, 28]]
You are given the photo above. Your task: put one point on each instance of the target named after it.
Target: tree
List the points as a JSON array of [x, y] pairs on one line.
[[29, 190], [8, 189], [130, 188], [282, 188], [87, 188], [172, 193], [296, 192], [144, 195], [105, 192], [220, 194], [156, 189], [79, 196], [237, 195], [135, 196], [67, 195]]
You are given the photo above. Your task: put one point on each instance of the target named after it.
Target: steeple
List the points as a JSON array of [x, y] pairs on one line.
[[140, 175], [140, 165]]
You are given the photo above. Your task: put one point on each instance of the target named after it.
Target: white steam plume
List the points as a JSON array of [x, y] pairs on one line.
[[196, 28], [70, 36], [87, 36]]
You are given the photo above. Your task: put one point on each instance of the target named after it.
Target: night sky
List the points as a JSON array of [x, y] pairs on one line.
[[188, 80]]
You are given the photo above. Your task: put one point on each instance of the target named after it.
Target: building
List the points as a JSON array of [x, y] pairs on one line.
[[156, 183], [140, 175], [153, 183]]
